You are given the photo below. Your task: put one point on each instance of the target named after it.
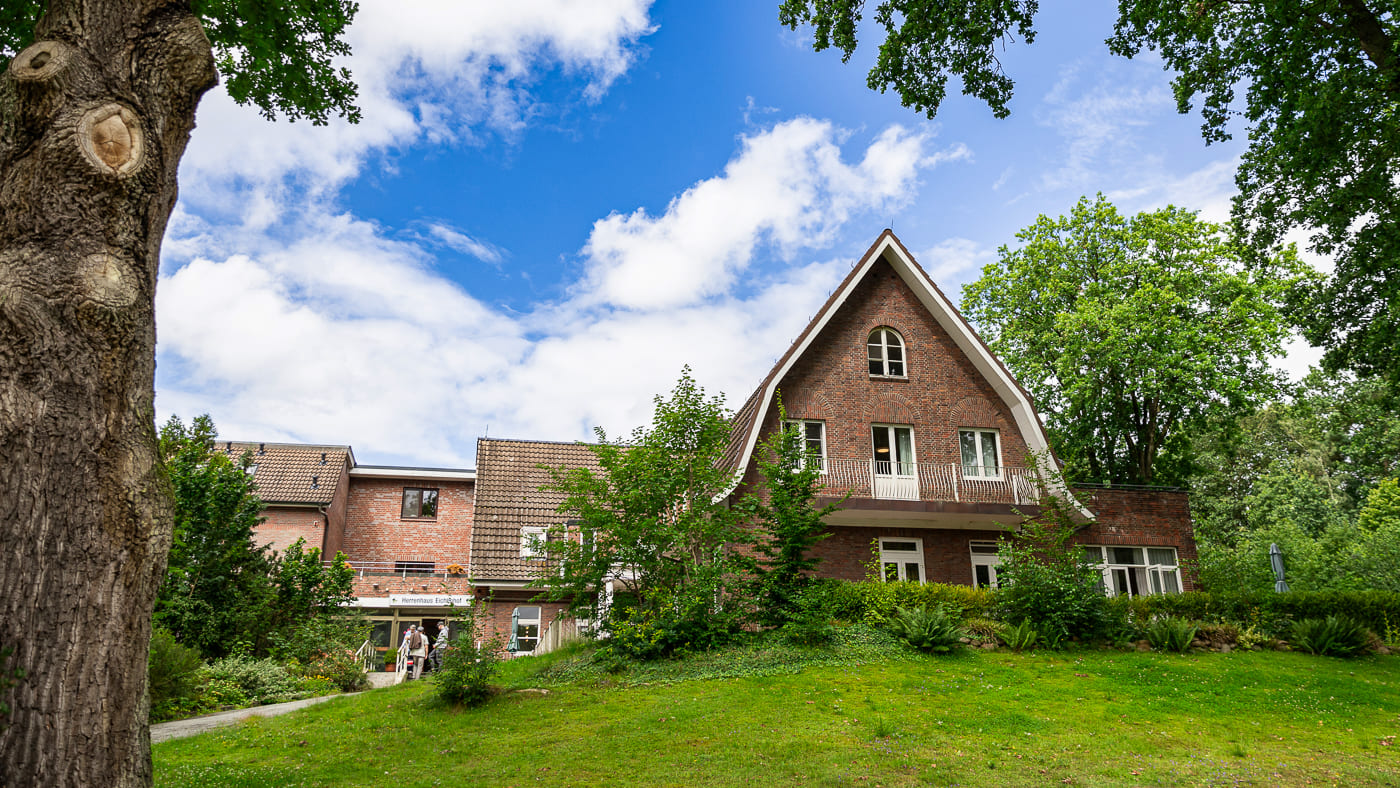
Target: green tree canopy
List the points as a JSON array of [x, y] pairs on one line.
[[216, 585], [1132, 333], [1321, 92], [652, 520]]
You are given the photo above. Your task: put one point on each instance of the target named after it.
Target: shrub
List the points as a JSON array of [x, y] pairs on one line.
[[1021, 637], [1170, 633], [1334, 636], [1271, 613], [260, 680], [466, 667], [653, 634], [1045, 579], [1224, 634], [984, 630], [174, 674], [930, 629], [326, 646]]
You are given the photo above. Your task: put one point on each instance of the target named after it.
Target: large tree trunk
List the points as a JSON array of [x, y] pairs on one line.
[[95, 115]]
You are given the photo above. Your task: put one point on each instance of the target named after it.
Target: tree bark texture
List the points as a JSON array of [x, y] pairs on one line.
[[94, 117]]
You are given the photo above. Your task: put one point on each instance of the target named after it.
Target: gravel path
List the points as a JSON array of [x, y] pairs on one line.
[[179, 729]]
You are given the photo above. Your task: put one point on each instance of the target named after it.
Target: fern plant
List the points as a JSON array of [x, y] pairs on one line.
[[1022, 636], [1334, 636], [929, 629], [1170, 633]]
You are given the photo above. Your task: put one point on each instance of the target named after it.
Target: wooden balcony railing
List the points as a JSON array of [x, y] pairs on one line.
[[928, 481]]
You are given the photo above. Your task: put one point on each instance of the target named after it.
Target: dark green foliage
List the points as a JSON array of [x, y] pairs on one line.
[[216, 588], [260, 681], [924, 43], [809, 629], [304, 587], [1270, 612], [787, 521], [1044, 579], [325, 646], [1133, 334], [1022, 636], [1319, 83], [464, 674], [1169, 633], [174, 673], [933, 630], [1333, 636], [277, 56], [874, 601], [653, 520]]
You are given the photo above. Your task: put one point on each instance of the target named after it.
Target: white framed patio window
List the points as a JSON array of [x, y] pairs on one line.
[[892, 462], [985, 561], [1136, 571], [813, 435], [981, 453], [901, 559], [524, 628], [886, 352]]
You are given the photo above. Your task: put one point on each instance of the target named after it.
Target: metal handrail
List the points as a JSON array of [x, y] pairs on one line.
[[929, 481], [366, 655]]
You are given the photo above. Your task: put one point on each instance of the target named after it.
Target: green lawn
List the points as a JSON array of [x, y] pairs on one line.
[[975, 719]]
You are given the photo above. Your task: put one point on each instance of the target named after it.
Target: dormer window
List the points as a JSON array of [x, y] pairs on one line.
[[886, 353]]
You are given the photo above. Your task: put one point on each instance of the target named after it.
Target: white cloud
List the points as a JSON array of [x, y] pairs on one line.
[[1099, 123], [461, 242], [954, 262], [788, 187]]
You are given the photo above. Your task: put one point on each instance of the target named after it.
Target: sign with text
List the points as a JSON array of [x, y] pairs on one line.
[[429, 600]]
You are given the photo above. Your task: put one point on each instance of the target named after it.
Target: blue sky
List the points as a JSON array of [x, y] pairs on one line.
[[550, 207]]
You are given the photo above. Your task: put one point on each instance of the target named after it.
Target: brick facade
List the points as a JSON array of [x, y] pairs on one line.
[[283, 525], [375, 531], [848, 553], [942, 392], [1143, 518]]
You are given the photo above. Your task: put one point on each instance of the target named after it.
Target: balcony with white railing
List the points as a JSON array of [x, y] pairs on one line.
[[928, 481]]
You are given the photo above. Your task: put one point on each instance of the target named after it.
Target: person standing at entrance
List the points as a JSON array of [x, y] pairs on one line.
[[439, 643], [418, 649]]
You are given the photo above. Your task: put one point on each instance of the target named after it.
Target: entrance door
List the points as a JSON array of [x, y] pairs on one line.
[[892, 463]]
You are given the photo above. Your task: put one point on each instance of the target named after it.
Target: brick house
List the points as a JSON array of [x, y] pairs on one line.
[[909, 413], [919, 429]]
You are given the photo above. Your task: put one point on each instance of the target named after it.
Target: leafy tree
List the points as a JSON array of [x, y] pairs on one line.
[[652, 522], [787, 521], [1045, 579], [1321, 84], [1131, 334], [216, 588], [96, 107], [305, 588]]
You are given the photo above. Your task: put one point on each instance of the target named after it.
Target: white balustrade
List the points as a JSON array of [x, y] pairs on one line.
[[927, 481]]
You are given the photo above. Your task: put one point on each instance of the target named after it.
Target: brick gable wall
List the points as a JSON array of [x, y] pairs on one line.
[[943, 392], [283, 525]]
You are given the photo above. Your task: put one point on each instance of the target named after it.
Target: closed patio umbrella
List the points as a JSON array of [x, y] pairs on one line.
[[1276, 561]]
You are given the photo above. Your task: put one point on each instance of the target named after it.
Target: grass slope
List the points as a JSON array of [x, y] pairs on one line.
[[974, 719]]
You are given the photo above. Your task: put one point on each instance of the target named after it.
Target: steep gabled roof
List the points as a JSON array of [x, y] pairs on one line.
[[508, 497], [286, 472], [750, 416]]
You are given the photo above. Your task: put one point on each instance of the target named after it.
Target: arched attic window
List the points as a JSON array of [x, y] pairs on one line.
[[886, 352]]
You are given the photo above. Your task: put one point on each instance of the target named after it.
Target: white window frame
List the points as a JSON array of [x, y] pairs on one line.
[[902, 558], [1149, 577], [884, 352], [802, 431], [893, 437], [532, 541], [979, 434], [517, 621], [991, 560]]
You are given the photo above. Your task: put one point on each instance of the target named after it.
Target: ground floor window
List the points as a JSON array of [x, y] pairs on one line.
[[525, 628], [902, 559], [1136, 571], [985, 562]]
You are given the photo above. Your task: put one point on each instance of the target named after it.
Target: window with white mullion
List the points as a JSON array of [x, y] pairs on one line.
[[893, 448], [813, 437], [886, 353], [1136, 571], [902, 559], [981, 453]]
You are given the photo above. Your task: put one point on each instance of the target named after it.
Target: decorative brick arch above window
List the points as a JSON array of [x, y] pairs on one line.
[[806, 404], [975, 412], [893, 409]]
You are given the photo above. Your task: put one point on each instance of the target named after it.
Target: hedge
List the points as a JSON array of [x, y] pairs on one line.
[[1271, 612], [874, 602]]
